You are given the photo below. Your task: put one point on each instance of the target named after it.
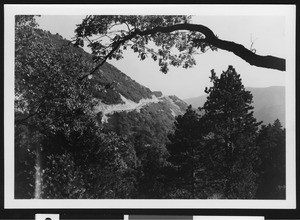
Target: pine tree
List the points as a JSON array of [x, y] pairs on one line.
[[230, 137], [271, 142], [185, 151]]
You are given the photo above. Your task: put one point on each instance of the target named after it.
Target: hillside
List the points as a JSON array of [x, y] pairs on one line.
[[115, 90], [269, 103], [109, 83]]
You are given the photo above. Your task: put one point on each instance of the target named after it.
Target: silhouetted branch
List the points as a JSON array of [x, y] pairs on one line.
[[210, 38]]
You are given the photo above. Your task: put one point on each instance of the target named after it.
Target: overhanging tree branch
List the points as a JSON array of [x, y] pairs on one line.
[[210, 38], [268, 61]]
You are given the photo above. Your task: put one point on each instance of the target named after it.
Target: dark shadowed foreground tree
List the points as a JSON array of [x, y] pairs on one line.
[[271, 142], [185, 175], [232, 131], [214, 153], [170, 40], [61, 149], [48, 101]]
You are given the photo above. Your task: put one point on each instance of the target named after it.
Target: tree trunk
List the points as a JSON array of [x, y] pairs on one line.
[[38, 174]]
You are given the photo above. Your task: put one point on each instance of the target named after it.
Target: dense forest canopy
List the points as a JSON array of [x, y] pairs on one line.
[[175, 38]]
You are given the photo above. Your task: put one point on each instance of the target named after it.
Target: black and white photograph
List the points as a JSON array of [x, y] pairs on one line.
[[139, 106]]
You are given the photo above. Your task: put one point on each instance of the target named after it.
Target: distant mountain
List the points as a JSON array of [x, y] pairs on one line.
[[196, 102], [269, 103]]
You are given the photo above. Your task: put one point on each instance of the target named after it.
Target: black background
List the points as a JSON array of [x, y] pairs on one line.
[[118, 213]]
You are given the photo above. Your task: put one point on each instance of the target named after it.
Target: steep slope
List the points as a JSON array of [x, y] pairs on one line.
[[116, 91], [126, 95], [113, 84], [269, 103], [109, 83]]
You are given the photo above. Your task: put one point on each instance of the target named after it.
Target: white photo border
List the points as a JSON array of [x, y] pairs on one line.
[[288, 11]]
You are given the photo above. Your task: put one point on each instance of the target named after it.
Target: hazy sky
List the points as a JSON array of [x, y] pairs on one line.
[[266, 32]]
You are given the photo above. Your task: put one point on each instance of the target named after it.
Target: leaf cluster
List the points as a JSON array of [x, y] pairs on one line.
[[108, 36]]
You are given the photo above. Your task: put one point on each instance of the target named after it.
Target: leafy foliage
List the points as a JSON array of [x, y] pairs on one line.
[[147, 131], [109, 35], [103, 170], [46, 82], [168, 39], [56, 124]]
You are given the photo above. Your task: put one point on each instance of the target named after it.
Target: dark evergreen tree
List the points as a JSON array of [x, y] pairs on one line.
[[231, 130], [271, 142], [213, 152], [185, 151]]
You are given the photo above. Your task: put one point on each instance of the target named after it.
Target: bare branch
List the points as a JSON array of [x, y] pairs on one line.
[[251, 47], [129, 30]]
